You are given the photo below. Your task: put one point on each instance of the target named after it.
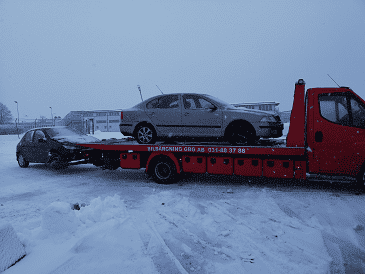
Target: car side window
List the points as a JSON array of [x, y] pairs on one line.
[[204, 103], [333, 107], [28, 136], [168, 101], [189, 103], [196, 102], [152, 104], [38, 135], [358, 113]]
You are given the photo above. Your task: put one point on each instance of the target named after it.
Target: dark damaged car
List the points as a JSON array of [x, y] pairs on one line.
[[54, 146]]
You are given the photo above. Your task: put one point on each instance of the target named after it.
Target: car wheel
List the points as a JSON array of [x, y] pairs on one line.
[[56, 162], [360, 179], [241, 135], [145, 134], [22, 162], [163, 171]]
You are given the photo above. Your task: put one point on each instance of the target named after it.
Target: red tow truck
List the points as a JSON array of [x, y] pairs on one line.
[[326, 141]]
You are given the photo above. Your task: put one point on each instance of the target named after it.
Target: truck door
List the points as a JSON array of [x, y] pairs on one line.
[[335, 137]]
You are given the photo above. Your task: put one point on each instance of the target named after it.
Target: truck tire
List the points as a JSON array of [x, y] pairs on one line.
[[145, 134], [21, 161], [163, 171]]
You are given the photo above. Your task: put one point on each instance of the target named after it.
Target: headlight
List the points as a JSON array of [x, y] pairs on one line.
[[268, 119], [69, 147]]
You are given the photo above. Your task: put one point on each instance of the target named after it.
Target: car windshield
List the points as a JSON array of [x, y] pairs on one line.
[[66, 134], [219, 101], [63, 131]]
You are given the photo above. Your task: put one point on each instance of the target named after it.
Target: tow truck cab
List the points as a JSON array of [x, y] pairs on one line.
[[330, 124]]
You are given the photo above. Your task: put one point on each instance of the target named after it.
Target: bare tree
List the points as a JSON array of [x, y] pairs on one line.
[[5, 115]]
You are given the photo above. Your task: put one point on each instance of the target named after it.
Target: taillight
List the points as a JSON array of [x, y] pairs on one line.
[[121, 115]]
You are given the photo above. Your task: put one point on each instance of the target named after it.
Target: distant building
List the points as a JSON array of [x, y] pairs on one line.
[[285, 116], [90, 121], [28, 123], [268, 106]]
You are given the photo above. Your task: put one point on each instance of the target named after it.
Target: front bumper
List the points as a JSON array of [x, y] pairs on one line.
[[273, 130]]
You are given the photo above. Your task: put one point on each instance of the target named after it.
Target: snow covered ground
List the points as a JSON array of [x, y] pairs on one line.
[[204, 224]]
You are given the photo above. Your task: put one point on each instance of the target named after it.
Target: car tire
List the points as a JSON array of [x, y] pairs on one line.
[[21, 161], [145, 134], [241, 134], [360, 179], [56, 162], [163, 171]]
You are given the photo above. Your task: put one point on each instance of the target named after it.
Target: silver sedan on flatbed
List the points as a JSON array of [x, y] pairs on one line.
[[190, 115]]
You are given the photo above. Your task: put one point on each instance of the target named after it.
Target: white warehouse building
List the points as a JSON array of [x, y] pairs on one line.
[[93, 120]]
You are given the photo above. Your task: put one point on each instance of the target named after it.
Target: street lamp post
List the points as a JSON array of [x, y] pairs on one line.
[[51, 115], [16, 123]]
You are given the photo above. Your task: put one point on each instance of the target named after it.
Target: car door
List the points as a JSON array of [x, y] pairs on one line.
[[26, 146], [165, 114], [41, 147], [200, 117]]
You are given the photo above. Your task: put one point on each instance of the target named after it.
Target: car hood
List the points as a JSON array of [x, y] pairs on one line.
[[75, 139], [243, 109]]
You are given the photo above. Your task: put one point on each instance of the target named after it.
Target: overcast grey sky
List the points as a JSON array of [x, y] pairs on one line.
[[89, 55]]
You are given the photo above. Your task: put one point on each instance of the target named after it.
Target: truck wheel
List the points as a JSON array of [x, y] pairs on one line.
[[163, 171], [145, 134], [21, 161], [56, 162], [241, 135]]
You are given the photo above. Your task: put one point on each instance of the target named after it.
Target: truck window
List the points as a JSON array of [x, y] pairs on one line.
[[333, 107], [358, 113]]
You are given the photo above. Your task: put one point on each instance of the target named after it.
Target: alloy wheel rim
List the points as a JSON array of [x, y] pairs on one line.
[[145, 134]]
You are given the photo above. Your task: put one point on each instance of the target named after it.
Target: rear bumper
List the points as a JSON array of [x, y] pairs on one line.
[[126, 129]]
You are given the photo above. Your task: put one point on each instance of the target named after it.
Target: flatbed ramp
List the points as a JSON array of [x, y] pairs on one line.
[[164, 160], [262, 147]]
